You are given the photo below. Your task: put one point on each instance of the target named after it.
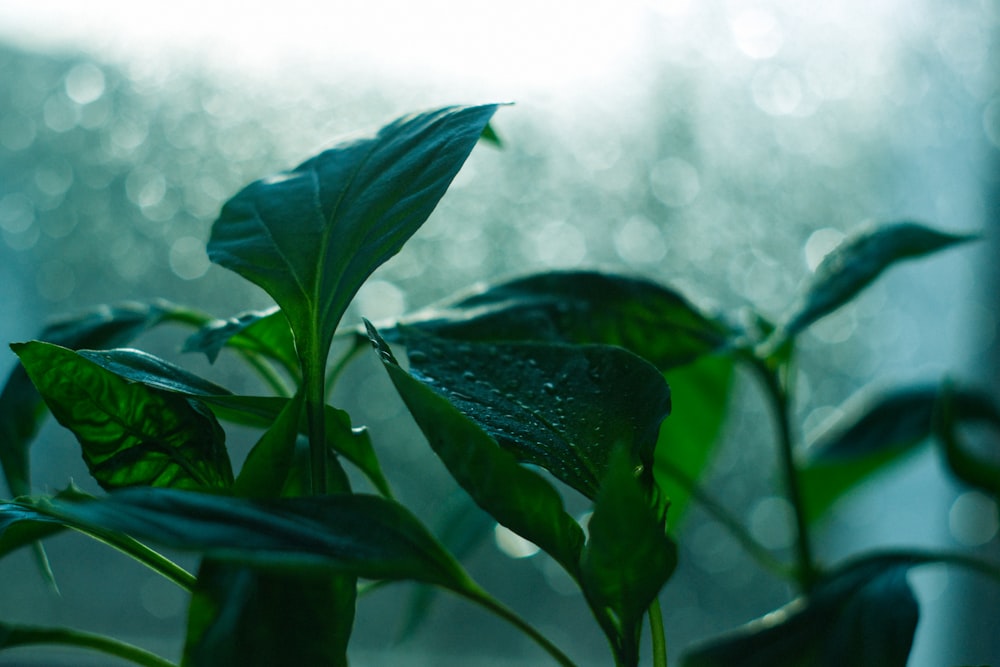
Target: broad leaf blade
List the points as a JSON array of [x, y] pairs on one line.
[[561, 407], [858, 261], [652, 321], [516, 497], [130, 434], [311, 236], [628, 557], [864, 615]]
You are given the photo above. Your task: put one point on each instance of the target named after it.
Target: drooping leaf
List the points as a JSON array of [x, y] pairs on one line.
[[263, 332], [241, 617], [628, 557], [561, 407], [21, 406], [311, 236], [262, 411], [13, 636], [875, 433], [518, 498], [650, 320], [130, 434], [864, 615], [858, 261], [976, 466]]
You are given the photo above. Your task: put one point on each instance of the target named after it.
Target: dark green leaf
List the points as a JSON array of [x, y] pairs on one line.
[[700, 395], [628, 557], [263, 332], [652, 321], [864, 616], [856, 262], [979, 466], [518, 498], [270, 461], [240, 617], [355, 534], [874, 434], [130, 434], [561, 407], [310, 237], [13, 636], [21, 406], [490, 136]]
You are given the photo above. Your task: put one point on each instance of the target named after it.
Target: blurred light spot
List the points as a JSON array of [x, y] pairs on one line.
[[380, 299], [85, 83], [991, 121], [757, 33], [54, 178], [837, 327], [129, 133], [59, 114], [188, 258], [513, 544], [829, 73], [16, 131], [465, 254], [55, 280], [16, 213], [771, 521], [973, 519], [675, 182], [819, 245], [639, 241], [777, 91], [963, 43], [96, 114], [714, 549], [559, 244], [145, 186], [161, 598]]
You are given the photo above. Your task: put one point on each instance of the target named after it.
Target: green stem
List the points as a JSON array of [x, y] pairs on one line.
[[358, 344], [267, 373], [31, 636], [756, 550], [143, 554], [656, 631], [778, 395], [313, 361], [473, 592]]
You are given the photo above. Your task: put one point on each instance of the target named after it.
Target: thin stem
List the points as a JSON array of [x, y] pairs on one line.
[[313, 361], [478, 595], [656, 631], [756, 550], [358, 344], [779, 398], [30, 636], [143, 554], [267, 373]]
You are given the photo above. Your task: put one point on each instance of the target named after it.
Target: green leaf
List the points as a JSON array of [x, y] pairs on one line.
[[874, 434], [864, 615], [561, 407], [13, 636], [858, 261], [263, 332], [311, 236], [130, 434], [976, 466], [518, 498], [700, 395], [652, 321], [628, 557], [21, 406], [262, 411], [269, 462], [241, 617]]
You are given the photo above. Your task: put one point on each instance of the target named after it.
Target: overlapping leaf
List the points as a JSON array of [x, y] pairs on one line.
[[311, 236], [263, 332]]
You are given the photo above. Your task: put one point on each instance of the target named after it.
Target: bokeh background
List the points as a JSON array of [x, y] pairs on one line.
[[721, 147]]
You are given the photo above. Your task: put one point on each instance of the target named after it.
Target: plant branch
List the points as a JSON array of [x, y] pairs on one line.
[[143, 554], [31, 636]]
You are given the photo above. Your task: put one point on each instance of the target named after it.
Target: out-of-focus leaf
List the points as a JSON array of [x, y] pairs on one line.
[[858, 261], [700, 395], [130, 434], [241, 617], [310, 237], [863, 615], [979, 467], [21, 406], [874, 434], [490, 136], [628, 557], [650, 320], [263, 332], [13, 636], [518, 498], [561, 407], [262, 411]]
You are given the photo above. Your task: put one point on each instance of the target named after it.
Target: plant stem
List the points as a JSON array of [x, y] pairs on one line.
[[358, 344], [473, 592], [657, 636], [29, 636], [267, 373], [779, 398], [143, 554], [313, 362]]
